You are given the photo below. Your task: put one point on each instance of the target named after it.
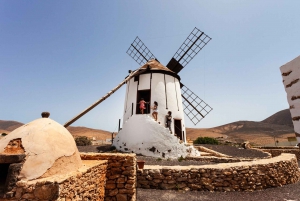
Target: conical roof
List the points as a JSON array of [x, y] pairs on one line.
[[155, 65]]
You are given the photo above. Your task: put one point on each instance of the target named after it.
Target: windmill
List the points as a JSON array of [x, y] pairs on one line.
[[155, 82], [194, 107]]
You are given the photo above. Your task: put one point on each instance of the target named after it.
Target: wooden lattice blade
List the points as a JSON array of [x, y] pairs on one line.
[[193, 106]]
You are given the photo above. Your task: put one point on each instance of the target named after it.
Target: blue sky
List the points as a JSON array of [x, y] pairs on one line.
[[62, 56]]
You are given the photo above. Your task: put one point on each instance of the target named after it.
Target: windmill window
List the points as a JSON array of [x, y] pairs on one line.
[[136, 78]]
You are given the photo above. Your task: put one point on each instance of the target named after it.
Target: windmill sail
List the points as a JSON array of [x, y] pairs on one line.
[[193, 106], [188, 50], [139, 52]]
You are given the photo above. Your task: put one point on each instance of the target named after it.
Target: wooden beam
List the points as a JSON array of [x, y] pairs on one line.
[[132, 74]]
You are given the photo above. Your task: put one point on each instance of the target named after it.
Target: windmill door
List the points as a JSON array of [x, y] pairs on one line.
[[146, 95], [177, 128]]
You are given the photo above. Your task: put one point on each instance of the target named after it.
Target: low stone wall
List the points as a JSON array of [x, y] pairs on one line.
[[276, 152], [214, 159], [87, 183], [120, 176], [214, 153], [241, 176]]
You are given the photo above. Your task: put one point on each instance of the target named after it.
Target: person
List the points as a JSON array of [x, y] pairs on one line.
[[142, 105], [155, 111], [169, 121]]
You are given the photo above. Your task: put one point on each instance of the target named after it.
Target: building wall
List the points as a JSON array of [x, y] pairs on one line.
[[290, 74]]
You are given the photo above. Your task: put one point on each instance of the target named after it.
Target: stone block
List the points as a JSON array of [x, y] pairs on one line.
[[167, 186], [182, 179], [28, 196], [129, 186], [110, 186], [131, 181], [121, 180], [121, 197], [157, 180], [120, 185], [114, 176], [47, 192], [113, 192], [127, 191]]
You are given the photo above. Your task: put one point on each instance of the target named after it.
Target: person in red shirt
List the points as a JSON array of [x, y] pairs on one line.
[[142, 105]]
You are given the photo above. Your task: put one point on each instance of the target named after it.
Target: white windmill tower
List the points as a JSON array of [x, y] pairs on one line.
[[155, 82]]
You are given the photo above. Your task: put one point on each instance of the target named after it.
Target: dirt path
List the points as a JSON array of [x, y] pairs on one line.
[[285, 193]]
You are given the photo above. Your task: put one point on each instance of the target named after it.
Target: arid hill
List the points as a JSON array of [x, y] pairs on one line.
[[8, 126], [278, 126], [89, 132], [282, 117]]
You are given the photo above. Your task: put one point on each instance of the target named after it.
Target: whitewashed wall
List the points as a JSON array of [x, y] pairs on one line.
[[291, 80], [130, 97], [158, 93], [144, 82]]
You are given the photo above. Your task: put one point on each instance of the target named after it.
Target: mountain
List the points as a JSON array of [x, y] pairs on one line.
[[282, 117]]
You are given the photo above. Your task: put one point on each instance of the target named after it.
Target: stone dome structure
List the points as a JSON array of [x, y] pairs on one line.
[[49, 149]]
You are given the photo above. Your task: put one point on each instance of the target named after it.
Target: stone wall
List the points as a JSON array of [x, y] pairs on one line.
[[241, 176], [214, 159], [120, 176], [277, 152], [88, 183]]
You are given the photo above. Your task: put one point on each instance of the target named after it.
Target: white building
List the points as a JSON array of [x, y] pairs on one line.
[[291, 74]]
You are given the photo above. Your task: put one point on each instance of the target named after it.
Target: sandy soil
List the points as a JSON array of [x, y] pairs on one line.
[[286, 193]]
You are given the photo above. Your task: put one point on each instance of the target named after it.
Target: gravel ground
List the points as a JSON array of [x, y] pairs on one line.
[[170, 162], [235, 151], [93, 148], [224, 149], [285, 193]]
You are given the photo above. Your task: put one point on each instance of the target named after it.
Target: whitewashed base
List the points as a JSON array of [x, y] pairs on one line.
[[142, 135]]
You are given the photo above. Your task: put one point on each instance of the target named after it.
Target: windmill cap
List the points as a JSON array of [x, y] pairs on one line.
[[153, 64]]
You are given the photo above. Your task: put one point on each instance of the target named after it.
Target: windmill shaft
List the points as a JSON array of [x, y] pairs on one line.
[[192, 105], [103, 98]]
